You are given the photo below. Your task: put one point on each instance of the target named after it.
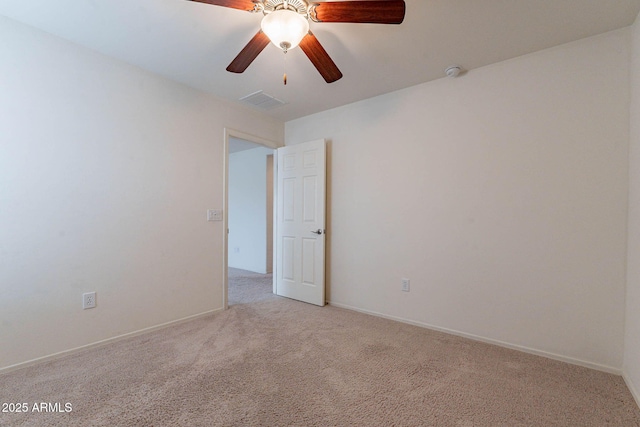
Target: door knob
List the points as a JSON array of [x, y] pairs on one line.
[[318, 231]]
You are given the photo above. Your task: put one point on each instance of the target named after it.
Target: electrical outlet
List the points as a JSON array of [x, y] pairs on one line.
[[405, 285], [88, 300]]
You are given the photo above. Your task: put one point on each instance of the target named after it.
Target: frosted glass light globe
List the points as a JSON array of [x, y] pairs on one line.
[[285, 28]]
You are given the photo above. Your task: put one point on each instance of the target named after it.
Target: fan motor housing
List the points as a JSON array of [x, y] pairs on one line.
[[299, 6]]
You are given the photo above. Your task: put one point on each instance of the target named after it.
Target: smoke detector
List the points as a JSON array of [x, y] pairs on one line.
[[453, 71]]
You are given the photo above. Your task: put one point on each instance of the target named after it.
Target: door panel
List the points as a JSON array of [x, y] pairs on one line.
[[308, 261], [310, 187], [288, 199], [288, 244], [300, 227]]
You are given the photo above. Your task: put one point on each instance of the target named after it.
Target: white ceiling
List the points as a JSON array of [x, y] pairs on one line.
[[193, 42]]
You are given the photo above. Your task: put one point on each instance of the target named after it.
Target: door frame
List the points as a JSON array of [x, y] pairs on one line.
[[228, 134]]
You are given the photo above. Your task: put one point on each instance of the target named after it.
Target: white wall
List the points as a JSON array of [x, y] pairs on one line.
[[248, 210], [632, 335], [106, 173], [501, 194]]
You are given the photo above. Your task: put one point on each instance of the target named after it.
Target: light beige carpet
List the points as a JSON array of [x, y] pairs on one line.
[[246, 287], [269, 361]]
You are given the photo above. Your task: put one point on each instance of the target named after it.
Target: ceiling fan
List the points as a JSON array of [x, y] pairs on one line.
[[286, 25]]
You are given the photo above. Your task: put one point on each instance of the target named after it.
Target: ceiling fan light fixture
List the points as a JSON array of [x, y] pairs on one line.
[[285, 28]]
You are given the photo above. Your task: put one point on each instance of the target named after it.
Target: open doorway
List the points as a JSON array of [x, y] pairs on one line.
[[249, 220], [250, 207]]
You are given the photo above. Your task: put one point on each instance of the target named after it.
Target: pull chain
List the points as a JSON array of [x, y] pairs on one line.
[[284, 78]]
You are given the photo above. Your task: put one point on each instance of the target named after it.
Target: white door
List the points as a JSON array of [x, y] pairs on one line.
[[300, 227]]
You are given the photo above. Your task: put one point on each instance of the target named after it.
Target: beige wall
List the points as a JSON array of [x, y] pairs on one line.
[[106, 174], [502, 195], [632, 336]]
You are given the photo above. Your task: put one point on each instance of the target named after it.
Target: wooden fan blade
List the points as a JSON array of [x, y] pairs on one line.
[[320, 58], [361, 11], [249, 53], [247, 5]]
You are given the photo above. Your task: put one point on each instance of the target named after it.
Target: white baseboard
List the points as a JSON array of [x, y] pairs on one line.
[[631, 387], [64, 353], [548, 355]]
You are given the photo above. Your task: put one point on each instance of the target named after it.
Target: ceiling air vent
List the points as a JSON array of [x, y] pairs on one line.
[[262, 100]]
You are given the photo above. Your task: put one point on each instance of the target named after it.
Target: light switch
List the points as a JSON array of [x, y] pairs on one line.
[[214, 215]]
